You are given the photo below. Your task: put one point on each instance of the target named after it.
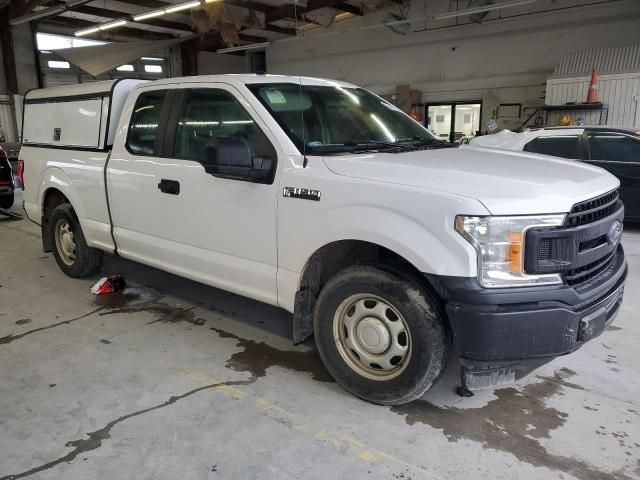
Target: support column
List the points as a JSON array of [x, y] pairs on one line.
[[8, 54]]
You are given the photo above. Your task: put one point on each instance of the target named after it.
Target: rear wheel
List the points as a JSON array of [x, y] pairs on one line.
[[70, 249], [6, 201], [380, 334]]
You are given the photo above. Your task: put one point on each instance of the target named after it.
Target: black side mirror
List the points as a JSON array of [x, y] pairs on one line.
[[231, 157]]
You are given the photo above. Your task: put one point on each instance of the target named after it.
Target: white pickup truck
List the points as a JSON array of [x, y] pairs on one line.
[[390, 246]]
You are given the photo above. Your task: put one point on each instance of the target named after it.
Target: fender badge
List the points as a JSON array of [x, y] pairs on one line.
[[303, 193]]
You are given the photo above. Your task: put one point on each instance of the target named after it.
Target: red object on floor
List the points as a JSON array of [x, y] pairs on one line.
[[114, 283]]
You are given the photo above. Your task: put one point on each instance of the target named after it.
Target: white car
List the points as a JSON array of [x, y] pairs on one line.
[[391, 247]]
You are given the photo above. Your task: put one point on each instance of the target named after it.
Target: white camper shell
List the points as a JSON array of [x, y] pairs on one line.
[[81, 117]]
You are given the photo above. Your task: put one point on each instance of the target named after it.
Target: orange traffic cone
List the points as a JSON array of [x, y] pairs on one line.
[[592, 96]]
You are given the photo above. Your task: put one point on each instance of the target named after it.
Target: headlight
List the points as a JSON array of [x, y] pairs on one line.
[[499, 242]]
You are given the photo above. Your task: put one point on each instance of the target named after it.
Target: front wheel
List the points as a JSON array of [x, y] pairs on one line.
[[380, 335], [73, 255]]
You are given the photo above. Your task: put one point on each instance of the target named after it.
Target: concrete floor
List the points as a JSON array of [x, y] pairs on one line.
[[177, 380]]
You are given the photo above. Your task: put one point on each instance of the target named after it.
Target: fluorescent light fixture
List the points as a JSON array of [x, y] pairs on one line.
[[183, 6], [125, 68], [144, 16], [484, 8], [58, 64], [108, 26], [153, 68], [87, 31], [164, 11], [152, 59], [211, 1], [241, 48]]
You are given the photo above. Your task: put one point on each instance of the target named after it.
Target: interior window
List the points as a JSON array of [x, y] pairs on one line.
[[615, 147], [144, 122], [211, 118], [565, 146]]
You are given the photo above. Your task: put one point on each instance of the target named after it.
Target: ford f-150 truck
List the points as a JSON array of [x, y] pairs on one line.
[[391, 247]]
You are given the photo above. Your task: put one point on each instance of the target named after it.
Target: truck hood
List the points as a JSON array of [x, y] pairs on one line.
[[506, 182]]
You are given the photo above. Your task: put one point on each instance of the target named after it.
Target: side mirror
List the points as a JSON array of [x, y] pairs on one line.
[[231, 157]]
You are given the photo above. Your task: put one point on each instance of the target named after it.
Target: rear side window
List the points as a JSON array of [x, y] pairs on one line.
[[614, 147], [145, 121], [565, 146], [210, 116]]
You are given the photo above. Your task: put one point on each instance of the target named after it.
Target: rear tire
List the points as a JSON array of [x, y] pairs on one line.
[[74, 257], [380, 334], [6, 201]]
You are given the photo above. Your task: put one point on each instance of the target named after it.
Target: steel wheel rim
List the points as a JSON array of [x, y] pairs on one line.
[[65, 242], [372, 337]]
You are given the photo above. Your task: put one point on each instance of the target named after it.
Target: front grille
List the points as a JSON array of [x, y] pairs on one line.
[[585, 273], [580, 250], [592, 210]]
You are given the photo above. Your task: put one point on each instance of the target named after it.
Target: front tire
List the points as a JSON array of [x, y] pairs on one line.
[[74, 257], [380, 335]]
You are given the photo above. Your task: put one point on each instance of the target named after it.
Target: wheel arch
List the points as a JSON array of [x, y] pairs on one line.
[[51, 198], [335, 256]]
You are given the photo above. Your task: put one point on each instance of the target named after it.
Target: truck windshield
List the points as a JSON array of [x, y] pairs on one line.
[[326, 120]]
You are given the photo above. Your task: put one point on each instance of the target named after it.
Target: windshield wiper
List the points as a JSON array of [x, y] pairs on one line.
[[399, 146]]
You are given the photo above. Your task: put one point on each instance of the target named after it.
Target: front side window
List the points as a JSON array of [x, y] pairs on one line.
[[336, 119], [143, 129], [215, 130], [565, 146], [614, 147]]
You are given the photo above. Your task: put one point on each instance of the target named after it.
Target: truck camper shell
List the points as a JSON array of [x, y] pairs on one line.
[[78, 117]]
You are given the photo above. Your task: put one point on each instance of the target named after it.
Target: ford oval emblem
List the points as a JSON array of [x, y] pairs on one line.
[[615, 233]]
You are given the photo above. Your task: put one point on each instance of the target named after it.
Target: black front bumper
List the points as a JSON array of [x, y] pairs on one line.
[[496, 327]]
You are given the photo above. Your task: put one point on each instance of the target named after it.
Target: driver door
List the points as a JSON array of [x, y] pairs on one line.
[[215, 228]]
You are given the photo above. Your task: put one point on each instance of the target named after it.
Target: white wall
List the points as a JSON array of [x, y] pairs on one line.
[[210, 63], [499, 61]]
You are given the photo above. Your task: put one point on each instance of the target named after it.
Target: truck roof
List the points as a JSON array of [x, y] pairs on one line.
[[107, 86], [248, 78]]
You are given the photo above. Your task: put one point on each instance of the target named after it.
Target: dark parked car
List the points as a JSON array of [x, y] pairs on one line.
[[7, 185]]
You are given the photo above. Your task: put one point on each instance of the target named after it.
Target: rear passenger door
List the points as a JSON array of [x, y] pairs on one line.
[[619, 153]]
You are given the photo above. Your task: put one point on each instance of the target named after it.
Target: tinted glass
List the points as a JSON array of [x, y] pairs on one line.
[[614, 147], [319, 116], [558, 146], [145, 120], [208, 116]]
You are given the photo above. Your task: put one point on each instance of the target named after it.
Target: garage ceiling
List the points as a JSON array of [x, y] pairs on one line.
[[222, 23]]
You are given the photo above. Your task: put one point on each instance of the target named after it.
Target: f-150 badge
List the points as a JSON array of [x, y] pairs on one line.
[[303, 193]]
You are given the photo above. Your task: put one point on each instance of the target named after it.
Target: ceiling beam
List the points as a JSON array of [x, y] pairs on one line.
[[290, 11], [281, 30], [347, 7], [22, 7], [250, 4]]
